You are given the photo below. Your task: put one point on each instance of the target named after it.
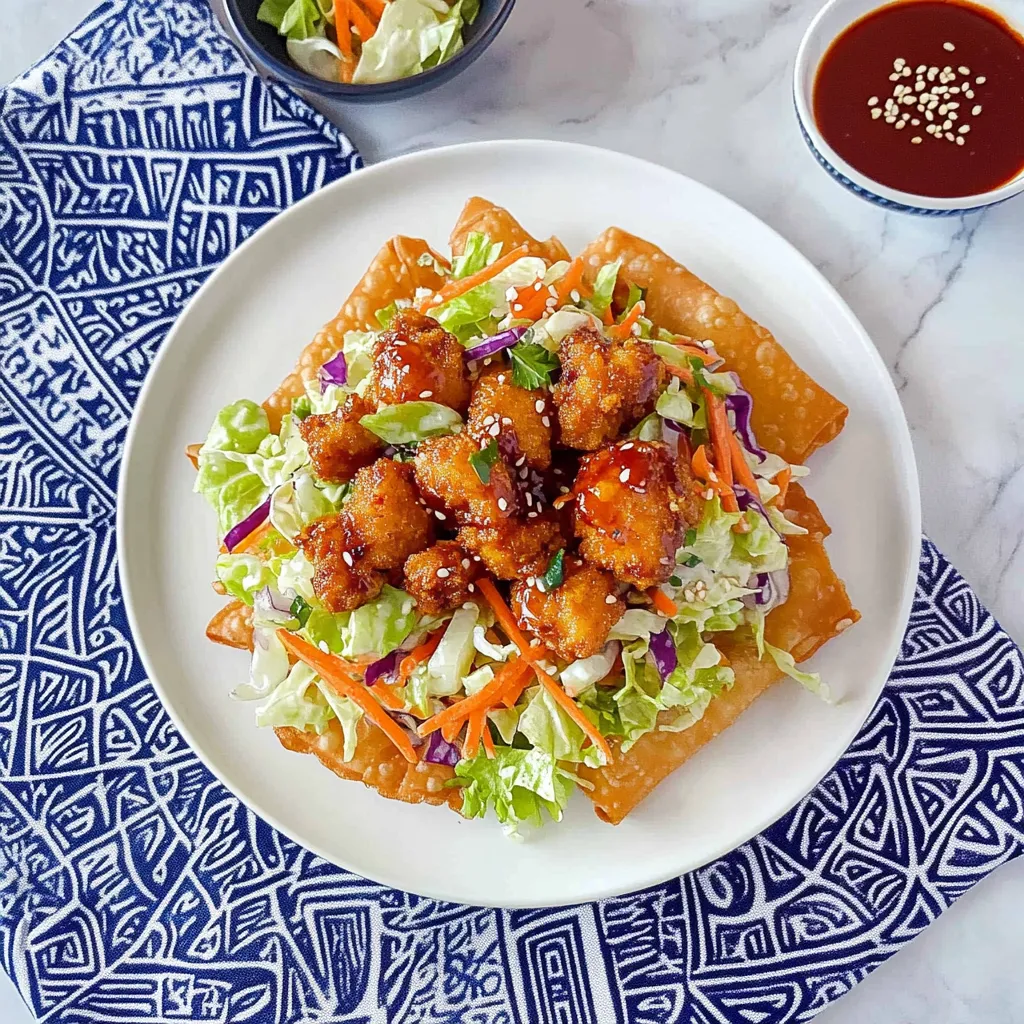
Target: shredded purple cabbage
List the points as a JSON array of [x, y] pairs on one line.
[[334, 371], [409, 725], [741, 406], [440, 751], [383, 668], [772, 589], [238, 533], [663, 650], [747, 500], [496, 343]]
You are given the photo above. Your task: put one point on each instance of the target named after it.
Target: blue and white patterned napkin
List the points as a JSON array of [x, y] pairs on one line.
[[133, 887]]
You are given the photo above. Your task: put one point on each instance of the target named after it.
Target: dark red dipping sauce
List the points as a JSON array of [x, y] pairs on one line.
[[894, 101]]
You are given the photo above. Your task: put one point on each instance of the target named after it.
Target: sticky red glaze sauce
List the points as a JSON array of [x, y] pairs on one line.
[[859, 64]]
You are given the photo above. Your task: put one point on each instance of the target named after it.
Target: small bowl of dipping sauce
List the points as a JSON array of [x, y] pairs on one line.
[[916, 105]]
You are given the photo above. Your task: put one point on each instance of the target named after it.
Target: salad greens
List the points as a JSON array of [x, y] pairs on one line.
[[409, 37], [660, 667]]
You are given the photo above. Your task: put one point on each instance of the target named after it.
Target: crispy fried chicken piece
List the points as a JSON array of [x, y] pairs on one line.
[[338, 445], [447, 480], [604, 386], [380, 526], [630, 511], [416, 358], [340, 581], [520, 420], [515, 548], [573, 620], [440, 578], [387, 514]]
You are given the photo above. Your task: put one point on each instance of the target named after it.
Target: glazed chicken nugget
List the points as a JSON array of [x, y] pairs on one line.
[[417, 359], [516, 548], [338, 445], [605, 386], [574, 619], [447, 480], [630, 511], [341, 579], [387, 514], [441, 577], [520, 420]]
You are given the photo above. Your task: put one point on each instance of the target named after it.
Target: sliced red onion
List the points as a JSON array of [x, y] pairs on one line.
[[663, 650], [771, 589], [384, 667], [496, 343], [440, 751], [741, 406], [238, 533], [334, 371]]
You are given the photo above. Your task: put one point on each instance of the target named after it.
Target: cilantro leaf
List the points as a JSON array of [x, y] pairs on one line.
[[301, 610], [483, 459], [532, 365]]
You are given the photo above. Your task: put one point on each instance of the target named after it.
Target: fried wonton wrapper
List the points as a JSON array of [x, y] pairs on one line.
[[500, 226], [793, 416], [232, 626], [395, 273], [817, 610], [377, 763]]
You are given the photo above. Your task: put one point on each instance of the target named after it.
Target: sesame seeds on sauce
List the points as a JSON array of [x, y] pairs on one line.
[[926, 96]]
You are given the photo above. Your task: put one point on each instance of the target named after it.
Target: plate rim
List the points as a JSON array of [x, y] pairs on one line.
[[903, 451]]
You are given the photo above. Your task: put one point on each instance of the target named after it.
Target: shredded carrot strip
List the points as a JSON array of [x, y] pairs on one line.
[[718, 427], [684, 373], [450, 731], [338, 676], [360, 22], [740, 469], [417, 656], [624, 328], [342, 29], [570, 281], [531, 301], [782, 480], [570, 707], [192, 453], [607, 318], [388, 696], [455, 288], [474, 730], [696, 351], [663, 602], [703, 469], [507, 621], [516, 684], [487, 738], [485, 697], [375, 7], [258, 536]]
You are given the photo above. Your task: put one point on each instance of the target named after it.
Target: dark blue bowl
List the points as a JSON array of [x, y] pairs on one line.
[[268, 48]]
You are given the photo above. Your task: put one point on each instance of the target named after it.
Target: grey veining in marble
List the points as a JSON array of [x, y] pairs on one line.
[[704, 87]]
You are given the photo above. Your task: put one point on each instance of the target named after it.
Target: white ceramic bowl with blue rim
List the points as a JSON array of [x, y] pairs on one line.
[[829, 23]]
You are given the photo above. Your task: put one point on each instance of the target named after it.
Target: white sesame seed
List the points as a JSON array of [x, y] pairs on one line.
[[688, 594], [953, 115], [929, 116], [531, 581], [506, 421], [920, 69], [914, 121], [610, 599], [426, 394], [624, 476], [529, 498], [959, 140], [976, 109], [980, 80], [919, 85], [905, 72], [346, 558], [963, 70], [949, 137], [531, 515], [518, 307], [891, 119], [948, 46], [898, 63], [442, 574], [627, 446], [538, 285], [510, 292], [900, 124], [539, 405], [520, 461], [876, 113], [873, 101], [563, 489], [546, 420], [964, 129], [494, 429], [466, 563], [894, 77], [969, 93], [501, 378], [440, 515], [916, 139], [502, 504]]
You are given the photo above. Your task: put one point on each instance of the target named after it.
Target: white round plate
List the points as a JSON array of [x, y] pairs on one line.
[[241, 334]]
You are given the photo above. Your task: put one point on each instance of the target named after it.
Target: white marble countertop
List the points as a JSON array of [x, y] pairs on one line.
[[704, 88]]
